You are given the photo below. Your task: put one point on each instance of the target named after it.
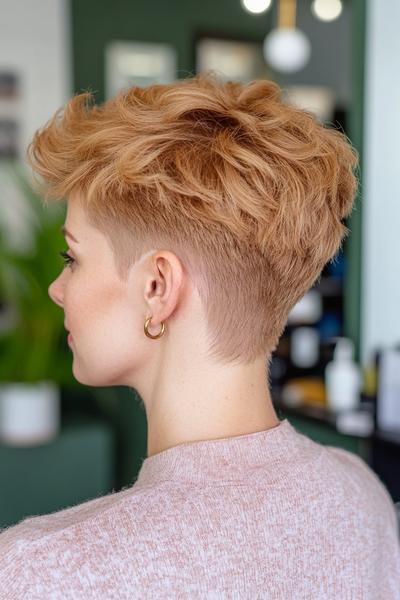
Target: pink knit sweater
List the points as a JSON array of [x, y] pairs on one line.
[[271, 515]]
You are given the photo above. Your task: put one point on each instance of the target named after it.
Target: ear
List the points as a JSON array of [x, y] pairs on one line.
[[164, 285]]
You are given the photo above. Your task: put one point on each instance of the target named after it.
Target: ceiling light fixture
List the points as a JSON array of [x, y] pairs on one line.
[[286, 48]]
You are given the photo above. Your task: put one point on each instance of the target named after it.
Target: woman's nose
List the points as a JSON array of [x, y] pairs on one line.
[[55, 291]]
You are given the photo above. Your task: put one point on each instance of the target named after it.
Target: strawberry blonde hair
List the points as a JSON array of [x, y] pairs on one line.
[[248, 191]]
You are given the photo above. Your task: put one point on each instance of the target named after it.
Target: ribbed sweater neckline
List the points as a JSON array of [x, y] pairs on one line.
[[224, 458]]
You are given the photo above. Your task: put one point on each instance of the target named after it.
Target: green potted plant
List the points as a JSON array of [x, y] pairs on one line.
[[35, 359]]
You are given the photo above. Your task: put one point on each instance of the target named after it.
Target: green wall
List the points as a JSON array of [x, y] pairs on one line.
[[353, 281], [176, 22]]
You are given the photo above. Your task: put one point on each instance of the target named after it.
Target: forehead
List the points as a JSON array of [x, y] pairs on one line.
[[91, 244], [75, 213], [76, 222]]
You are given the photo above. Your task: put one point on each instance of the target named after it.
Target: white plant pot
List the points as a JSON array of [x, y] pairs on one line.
[[29, 413]]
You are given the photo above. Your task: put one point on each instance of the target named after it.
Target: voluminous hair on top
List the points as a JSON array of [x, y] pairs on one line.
[[248, 191]]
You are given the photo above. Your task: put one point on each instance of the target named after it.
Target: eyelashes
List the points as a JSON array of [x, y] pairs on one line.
[[68, 260]]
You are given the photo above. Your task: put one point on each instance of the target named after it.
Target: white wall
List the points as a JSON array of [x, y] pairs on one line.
[[380, 325], [35, 44]]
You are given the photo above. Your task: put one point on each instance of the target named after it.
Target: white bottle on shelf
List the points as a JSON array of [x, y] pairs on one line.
[[343, 378]]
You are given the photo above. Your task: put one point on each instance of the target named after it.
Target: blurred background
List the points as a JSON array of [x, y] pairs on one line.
[[336, 372]]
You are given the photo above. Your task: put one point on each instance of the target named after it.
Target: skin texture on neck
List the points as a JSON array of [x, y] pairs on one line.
[[206, 402], [187, 396]]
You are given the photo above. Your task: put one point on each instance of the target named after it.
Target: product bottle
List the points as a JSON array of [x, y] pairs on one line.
[[343, 378]]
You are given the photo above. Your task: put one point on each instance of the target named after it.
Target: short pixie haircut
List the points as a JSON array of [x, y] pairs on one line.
[[248, 191]]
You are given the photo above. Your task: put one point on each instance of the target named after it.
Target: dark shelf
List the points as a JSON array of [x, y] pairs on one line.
[[315, 413], [327, 417], [330, 285]]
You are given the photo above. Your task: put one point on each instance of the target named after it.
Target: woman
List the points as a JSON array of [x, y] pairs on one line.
[[198, 214]]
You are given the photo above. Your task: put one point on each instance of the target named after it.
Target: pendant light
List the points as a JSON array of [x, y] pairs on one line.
[[286, 48]]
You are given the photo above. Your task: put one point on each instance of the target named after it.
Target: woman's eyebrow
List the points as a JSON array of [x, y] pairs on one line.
[[67, 233]]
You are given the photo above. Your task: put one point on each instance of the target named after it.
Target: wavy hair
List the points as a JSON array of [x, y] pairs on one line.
[[248, 191]]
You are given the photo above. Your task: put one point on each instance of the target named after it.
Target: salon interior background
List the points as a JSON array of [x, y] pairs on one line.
[[58, 47]]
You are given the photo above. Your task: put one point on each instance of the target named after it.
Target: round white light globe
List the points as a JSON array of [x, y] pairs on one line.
[[327, 10], [256, 6], [287, 50]]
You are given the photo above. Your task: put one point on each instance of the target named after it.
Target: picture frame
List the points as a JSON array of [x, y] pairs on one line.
[[138, 63], [232, 58]]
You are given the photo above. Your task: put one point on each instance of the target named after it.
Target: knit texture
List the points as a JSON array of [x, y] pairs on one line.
[[269, 515]]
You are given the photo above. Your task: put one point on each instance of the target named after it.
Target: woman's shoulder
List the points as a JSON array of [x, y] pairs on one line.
[[35, 527], [41, 545], [363, 483]]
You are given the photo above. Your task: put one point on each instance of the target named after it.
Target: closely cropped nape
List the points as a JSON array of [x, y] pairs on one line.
[[248, 191]]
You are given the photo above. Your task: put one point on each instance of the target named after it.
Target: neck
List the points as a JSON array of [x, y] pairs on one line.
[[208, 404]]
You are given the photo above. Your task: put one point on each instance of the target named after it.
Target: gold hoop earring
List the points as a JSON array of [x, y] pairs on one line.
[[153, 337]]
